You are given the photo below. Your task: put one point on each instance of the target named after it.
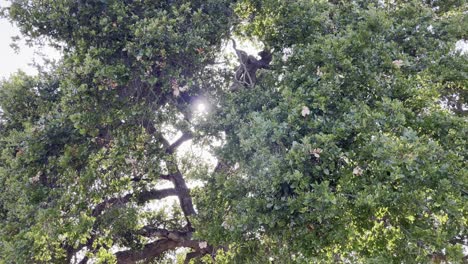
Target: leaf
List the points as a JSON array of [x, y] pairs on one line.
[[203, 244], [305, 111], [175, 88], [316, 152], [357, 171], [319, 72], [397, 63]]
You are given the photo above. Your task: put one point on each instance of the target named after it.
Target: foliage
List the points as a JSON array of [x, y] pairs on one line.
[[84, 147], [350, 148], [346, 150]]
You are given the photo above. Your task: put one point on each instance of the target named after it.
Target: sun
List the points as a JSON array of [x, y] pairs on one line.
[[201, 107]]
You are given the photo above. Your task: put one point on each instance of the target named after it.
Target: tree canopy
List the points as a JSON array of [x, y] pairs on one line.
[[349, 147]]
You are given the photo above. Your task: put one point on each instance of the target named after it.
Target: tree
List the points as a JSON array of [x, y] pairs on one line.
[[350, 147], [83, 147], [347, 150]]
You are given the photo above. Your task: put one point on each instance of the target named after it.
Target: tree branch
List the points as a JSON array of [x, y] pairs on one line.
[[462, 240], [192, 255], [186, 136], [167, 177], [141, 197], [150, 231], [99, 208], [84, 260], [183, 191], [146, 196], [155, 249], [148, 252]]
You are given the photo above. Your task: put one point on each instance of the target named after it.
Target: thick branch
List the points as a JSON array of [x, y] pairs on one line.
[[192, 255], [146, 196], [184, 194], [170, 148], [155, 249], [141, 197], [164, 141], [152, 232], [110, 203], [178, 142], [148, 252], [167, 177], [84, 260]]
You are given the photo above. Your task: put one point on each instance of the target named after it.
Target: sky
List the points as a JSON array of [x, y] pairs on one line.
[[11, 61]]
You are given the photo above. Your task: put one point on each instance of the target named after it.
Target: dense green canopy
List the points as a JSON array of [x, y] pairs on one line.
[[351, 147]]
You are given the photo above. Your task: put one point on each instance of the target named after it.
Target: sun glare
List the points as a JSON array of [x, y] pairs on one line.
[[201, 107]]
